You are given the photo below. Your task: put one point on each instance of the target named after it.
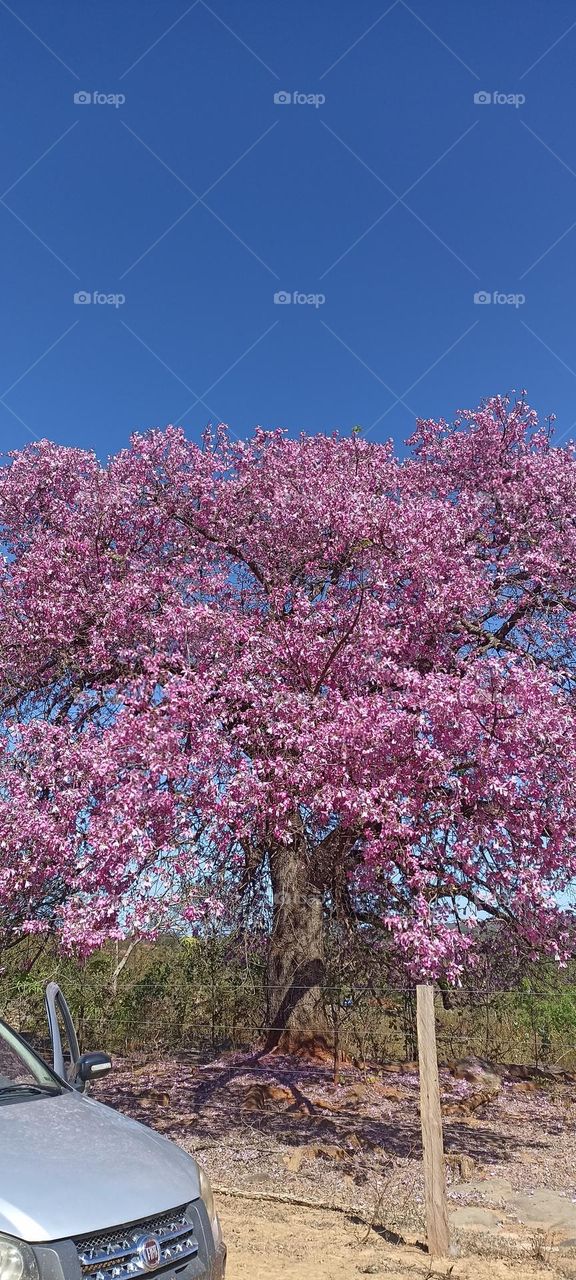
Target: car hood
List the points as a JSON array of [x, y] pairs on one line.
[[69, 1165]]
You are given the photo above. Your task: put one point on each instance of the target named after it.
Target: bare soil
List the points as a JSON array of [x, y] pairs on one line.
[[267, 1125], [273, 1242]]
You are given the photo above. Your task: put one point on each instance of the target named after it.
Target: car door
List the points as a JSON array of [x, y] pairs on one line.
[[79, 1070], [65, 1048]]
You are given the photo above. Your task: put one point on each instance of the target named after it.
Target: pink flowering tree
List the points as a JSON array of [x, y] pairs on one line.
[[299, 664]]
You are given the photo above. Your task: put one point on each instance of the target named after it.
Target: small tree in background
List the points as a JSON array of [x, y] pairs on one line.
[[304, 669]]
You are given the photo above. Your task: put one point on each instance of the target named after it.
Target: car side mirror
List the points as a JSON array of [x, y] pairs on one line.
[[90, 1066]]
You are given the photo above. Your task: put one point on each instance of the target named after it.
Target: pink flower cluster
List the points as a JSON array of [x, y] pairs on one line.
[[199, 643]]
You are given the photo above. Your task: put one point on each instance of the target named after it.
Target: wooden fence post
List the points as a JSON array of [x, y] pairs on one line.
[[437, 1228]]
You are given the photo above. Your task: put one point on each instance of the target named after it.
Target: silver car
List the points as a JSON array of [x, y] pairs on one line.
[[85, 1193]]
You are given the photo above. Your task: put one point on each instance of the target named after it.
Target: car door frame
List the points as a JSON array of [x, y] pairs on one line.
[[55, 1004]]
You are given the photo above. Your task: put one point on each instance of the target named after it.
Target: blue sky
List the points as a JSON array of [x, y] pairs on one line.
[[190, 197]]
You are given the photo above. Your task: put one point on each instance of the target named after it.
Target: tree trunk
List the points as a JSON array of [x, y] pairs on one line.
[[295, 1014]]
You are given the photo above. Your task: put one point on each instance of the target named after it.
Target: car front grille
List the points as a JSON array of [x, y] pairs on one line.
[[120, 1253]]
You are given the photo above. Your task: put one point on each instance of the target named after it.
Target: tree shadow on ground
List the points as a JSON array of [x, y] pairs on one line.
[[209, 1106]]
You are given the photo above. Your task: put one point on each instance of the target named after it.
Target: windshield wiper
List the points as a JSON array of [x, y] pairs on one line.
[[50, 1090]]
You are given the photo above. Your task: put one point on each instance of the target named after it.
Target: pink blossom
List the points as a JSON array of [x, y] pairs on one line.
[[199, 643]]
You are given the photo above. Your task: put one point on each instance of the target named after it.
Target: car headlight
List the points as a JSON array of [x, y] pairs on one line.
[[17, 1261], [208, 1197]]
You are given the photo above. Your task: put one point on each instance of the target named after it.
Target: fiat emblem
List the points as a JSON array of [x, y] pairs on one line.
[[148, 1250]]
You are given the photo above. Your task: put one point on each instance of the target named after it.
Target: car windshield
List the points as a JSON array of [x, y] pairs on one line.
[[21, 1072]]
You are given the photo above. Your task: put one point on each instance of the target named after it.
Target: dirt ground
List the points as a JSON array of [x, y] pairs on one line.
[[268, 1126], [277, 1242], [277, 1124]]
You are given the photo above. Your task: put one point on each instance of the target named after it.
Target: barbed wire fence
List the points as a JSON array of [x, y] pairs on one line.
[[363, 1025]]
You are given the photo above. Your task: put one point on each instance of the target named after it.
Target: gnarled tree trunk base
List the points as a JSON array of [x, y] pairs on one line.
[[306, 1046]]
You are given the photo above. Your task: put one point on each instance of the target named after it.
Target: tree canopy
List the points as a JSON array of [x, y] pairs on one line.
[[214, 653]]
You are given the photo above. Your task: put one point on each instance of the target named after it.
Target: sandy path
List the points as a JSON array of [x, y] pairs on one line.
[[277, 1242]]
